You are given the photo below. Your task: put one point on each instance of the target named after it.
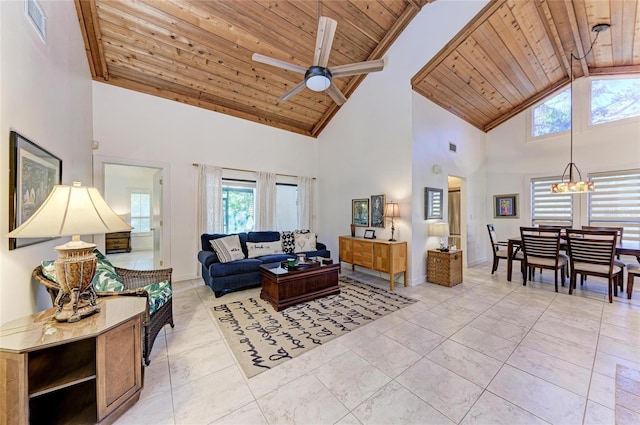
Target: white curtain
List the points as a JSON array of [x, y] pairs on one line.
[[209, 200], [306, 195], [265, 201]]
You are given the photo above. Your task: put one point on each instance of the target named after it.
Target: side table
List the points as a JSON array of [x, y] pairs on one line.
[[444, 268], [84, 372]]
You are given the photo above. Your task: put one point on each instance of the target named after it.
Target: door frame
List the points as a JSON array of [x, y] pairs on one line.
[[99, 162]]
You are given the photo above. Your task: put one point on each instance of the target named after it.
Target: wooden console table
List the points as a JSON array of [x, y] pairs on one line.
[[84, 372], [383, 256]]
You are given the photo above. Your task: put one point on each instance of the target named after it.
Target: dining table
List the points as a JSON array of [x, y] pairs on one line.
[[623, 248]]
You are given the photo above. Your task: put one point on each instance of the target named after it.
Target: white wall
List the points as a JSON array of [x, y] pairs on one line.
[[512, 160], [141, 127], [367, 149], [45, 95]]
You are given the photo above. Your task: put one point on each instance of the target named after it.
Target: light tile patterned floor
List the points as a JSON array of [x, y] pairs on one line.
[[486, 351]]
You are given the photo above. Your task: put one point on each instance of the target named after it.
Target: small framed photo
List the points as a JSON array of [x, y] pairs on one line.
[[433, 203], [360, 212], [505, 206], [33, 174], [369, 234], [377, 210]]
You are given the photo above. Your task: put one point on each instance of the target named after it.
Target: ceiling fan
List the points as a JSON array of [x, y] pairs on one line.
[[319, 77]]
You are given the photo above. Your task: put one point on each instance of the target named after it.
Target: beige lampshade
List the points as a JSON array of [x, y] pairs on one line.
[[391, 210], [69, 211], [440, 229]]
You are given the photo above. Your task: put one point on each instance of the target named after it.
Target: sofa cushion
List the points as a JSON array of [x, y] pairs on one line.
[[305, 242], [258, 249], [275, 258], [159, 293], [264, 236], [288, 242], [228, 248], [245, 265]]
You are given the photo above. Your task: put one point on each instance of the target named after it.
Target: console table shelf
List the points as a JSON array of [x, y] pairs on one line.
[[84, 372], [383, 256]]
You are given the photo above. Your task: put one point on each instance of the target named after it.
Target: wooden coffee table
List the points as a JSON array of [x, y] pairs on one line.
[[283, 288]]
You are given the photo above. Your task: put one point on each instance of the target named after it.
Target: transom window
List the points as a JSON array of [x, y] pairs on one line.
[[614, 99], [550, 209], [140, 212], [553, 115]]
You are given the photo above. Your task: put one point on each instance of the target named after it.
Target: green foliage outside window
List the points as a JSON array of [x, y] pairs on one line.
[[614, 99], [553, 115]]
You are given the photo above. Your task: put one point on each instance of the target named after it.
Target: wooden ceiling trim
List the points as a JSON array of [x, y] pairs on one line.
[[526, 104], [577, 39], [623, 53], [379, 12], [615, 70], [468, 30], [462, 90], [517, 47], [351, 15], [211, 105], [491, 73], [90, 28], [546, 20]]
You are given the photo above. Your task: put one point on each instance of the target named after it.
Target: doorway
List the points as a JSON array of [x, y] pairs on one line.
[[456, 212], [135, 191]]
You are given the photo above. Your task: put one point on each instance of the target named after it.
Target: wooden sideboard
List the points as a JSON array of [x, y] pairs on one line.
[[84, 372], [383, 256], [118, 242]]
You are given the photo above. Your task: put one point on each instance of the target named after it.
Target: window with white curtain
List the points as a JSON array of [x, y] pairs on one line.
[[286, 206], [616, 202], [548, 208]]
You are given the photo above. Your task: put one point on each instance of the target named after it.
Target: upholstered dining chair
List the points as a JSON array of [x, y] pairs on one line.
[[633, 270], [591, 252], [541, 248], [499, 249], [616, 260]]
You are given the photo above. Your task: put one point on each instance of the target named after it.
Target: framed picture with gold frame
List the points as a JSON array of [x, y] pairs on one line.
[[360, 212]]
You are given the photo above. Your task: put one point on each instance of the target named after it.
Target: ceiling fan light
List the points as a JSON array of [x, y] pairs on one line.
[[317, 78]]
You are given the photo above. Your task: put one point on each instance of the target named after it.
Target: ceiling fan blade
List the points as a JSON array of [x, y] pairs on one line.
[[324, 40], [293, 91], [335, 94], [357, 68], [277, 62]]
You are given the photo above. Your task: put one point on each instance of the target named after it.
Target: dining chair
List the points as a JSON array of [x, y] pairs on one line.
[[591, 252], [633, 270], [499, 249], [616, 260], [541, 248]]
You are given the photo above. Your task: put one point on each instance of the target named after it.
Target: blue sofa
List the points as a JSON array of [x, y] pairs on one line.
[[244, 273]]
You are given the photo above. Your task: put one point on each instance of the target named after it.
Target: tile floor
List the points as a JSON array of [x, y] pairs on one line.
[[135, 260], [486, 351]]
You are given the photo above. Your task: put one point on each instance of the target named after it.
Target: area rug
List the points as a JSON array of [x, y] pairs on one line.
[[262, 338]]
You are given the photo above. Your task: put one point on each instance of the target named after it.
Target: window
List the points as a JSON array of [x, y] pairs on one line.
[[616, 202], [238, 205], [553, 115], [140, 212], [286, 206], [548, 208], [614, 99]]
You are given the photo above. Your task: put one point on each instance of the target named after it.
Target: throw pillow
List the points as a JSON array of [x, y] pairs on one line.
[[227, 248], [288, 242], [305, 242], [258, 249], [159, 293]]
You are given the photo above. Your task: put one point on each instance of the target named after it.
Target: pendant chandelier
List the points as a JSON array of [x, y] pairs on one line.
[[571, 185]]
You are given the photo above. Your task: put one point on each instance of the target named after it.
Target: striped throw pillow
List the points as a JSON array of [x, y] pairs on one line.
[[227, 248]]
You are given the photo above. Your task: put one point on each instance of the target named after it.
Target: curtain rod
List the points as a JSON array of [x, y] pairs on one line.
[[195, 164]]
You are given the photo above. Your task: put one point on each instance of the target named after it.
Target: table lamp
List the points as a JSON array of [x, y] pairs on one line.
[[391, 211], [73, 211], [441, 229]]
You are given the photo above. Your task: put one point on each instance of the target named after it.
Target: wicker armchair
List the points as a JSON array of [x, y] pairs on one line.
[[133, 280]]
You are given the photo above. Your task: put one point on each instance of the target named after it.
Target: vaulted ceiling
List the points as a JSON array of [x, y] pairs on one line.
[[200, 52]]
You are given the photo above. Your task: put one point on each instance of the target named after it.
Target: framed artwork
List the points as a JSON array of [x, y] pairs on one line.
[[433, 204], [360, 212], [505, 206], [33, 174], [377, 211], [369, 234]]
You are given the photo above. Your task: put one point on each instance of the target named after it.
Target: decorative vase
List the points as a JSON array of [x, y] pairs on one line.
[[353, 230]]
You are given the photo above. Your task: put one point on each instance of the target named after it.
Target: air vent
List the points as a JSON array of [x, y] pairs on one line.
[[453, 147], [36, 15]]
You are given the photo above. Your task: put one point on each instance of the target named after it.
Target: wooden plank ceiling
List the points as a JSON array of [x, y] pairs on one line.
[[199, 52], [516, 52]]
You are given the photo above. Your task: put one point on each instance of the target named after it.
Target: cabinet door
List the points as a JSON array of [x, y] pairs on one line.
[[119, 365], [346, 251], [381, 257], [363, 253]]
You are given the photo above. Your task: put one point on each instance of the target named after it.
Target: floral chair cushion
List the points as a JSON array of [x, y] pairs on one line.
[[105, 279], [159, 293]]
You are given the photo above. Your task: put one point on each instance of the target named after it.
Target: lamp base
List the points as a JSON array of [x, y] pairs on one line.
[[75, 267]]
